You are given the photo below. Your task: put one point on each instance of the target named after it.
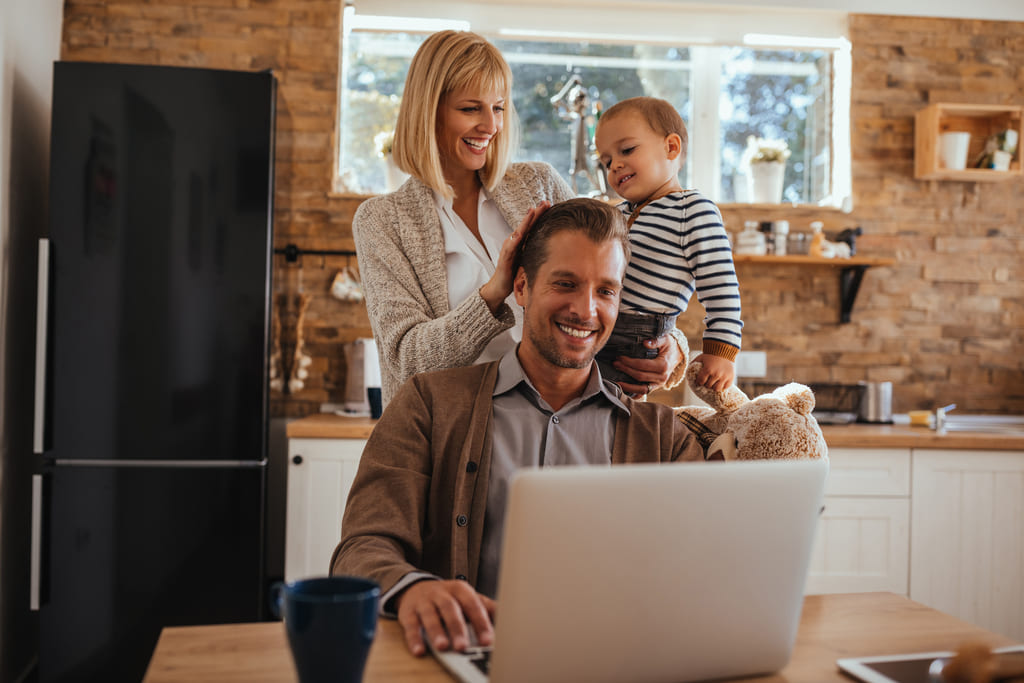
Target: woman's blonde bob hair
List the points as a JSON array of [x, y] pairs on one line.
[[448, 61]]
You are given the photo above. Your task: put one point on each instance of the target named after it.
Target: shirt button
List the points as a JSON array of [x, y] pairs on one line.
[[460, 577], [462, 520], [554, 418], [471, 467]]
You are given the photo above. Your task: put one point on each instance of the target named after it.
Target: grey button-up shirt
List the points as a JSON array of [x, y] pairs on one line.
[[528, 433]]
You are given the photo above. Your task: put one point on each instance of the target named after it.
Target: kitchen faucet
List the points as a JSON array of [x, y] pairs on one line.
[[940, 418]]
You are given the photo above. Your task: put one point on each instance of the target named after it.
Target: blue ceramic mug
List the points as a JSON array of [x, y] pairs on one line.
[[330, 624]]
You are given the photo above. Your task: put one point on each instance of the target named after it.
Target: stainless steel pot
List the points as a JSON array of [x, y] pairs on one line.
[[876, 402]]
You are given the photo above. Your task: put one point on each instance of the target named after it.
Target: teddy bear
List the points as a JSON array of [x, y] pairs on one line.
[[778, 425]]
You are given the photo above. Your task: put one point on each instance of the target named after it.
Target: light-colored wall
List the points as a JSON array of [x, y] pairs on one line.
[[29, 43], [996, 10], [999, 10]]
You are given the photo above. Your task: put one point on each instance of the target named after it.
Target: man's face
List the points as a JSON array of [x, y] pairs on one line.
[[570, 308]]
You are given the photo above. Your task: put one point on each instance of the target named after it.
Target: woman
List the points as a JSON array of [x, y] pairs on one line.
[[436, 255]]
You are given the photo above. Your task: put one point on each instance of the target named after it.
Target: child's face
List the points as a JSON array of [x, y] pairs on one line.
[[639, 162]]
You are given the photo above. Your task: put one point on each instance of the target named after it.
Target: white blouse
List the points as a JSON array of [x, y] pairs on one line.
[[470, 265]]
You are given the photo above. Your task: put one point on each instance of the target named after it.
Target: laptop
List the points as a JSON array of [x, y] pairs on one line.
[[650, 573]]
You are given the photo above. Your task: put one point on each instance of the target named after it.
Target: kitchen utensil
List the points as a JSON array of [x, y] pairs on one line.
[[876, 402], [346, 286]]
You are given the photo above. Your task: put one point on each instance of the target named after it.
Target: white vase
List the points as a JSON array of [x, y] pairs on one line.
[[766, 180]]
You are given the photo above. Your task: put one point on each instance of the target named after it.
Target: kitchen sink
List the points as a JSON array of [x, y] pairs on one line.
[[1002, 424]]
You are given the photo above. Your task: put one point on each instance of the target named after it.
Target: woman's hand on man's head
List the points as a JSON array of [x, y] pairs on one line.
[[497, 289]]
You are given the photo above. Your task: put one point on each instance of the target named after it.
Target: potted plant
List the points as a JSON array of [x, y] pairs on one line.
[[765, 161]]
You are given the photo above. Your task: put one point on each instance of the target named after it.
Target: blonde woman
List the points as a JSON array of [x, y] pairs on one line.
[[436, 256]]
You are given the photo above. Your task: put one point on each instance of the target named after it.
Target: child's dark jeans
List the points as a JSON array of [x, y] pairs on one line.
[[632, 328]]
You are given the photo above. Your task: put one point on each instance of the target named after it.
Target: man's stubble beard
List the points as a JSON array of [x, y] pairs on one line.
[[548, 349]]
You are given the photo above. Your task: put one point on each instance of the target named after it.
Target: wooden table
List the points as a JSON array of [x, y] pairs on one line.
[[831, 626]]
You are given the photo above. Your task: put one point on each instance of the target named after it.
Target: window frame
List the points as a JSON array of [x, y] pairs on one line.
[[706, 72]]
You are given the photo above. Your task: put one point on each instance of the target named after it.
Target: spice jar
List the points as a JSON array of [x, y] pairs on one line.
[[750, 241], [775, 236], [780, 233]]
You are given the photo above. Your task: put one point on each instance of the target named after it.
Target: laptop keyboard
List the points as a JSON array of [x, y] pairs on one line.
[[480, 657]]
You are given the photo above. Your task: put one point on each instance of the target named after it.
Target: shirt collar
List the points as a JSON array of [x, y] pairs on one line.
[[511, 375], [445, 204]]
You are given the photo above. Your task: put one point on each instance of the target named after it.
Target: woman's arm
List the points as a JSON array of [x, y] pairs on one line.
[[408, 306]]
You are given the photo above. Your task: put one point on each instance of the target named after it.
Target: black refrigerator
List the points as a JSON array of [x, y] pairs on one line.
[[151, 372]]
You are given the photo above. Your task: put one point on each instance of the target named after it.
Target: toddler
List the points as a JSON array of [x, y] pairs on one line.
[[679, 245]]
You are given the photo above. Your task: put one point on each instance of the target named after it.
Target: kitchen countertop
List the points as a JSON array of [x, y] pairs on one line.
[[330, 426], [904, 436]]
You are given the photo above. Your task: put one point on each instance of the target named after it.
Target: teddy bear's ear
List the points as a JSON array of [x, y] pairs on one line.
[[799, 397], [723, 401]]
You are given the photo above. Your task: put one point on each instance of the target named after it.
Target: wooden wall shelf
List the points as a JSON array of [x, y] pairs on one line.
[[981, 121], [788, 208], [815, 260], [850, 276]]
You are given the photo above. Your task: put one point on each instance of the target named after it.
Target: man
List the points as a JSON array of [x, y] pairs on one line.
[[425, 513]]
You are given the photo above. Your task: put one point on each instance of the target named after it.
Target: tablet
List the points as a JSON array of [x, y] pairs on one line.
[[908, 668]]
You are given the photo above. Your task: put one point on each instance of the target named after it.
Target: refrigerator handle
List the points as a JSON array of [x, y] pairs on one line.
[[36, 558], [42, 329]]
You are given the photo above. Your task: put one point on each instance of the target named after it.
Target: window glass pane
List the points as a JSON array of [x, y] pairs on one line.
[[374, 67], [777, 95], [607, 73]]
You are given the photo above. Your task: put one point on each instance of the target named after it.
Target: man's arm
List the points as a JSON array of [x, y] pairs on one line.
[[383, 528], [386, 506]]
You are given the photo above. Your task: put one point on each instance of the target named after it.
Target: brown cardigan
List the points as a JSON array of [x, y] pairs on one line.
[[419, 496]]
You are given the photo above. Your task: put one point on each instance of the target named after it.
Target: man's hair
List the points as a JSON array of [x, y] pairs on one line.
[[661, 116], [599, 221], [448, 61]]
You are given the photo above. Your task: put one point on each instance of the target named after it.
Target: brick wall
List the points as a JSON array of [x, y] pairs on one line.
[[299, 41], [945, 323]]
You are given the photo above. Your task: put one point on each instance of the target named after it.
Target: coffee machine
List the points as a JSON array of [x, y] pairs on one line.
[[362, 380]]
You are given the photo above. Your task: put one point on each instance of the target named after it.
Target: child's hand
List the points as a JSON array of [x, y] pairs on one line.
[[717, 373]]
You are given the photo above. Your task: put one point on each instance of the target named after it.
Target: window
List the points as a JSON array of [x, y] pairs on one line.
[[789, 89]]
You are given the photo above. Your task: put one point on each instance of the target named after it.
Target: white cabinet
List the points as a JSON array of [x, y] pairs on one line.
[[863, 539], [320, 473], [967, 548]]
